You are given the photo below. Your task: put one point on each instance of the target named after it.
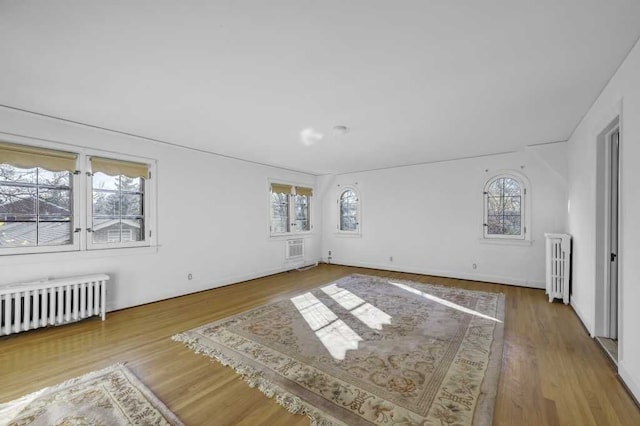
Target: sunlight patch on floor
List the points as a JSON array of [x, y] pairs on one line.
[[443, 302], [334, 334], [373, 317]]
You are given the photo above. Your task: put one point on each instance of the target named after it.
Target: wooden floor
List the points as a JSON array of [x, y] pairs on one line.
[[553, 373]]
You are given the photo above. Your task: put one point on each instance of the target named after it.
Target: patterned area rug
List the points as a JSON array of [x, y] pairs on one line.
[[113, 396], [369, 350]]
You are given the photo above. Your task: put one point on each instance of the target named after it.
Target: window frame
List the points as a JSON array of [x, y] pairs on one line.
[[291, 232], [149, 224], [293, 209], [525, 228], [341, 192], [82, 202], [75, 244]]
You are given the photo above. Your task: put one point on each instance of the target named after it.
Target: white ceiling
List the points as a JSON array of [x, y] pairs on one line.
[[415, 81]]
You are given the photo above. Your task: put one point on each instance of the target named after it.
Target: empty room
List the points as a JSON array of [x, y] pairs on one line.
[[319, 212]]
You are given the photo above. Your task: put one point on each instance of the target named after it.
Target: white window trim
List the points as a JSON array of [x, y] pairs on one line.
[[312, 208], [149, 206], [358, 231], [82, 196], [525, 216]]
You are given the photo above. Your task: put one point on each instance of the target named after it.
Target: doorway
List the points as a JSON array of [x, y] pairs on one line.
[[608, 233]]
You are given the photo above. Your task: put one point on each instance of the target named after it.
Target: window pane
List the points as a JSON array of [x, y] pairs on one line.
[[45, 177], [54, 232], [348, 224], [495, 225], [301, 206], [16, 201], [494, 205], [131, 184], [512, 205], [106, 204], [348, 211], [117, 231], [504, 207], [103, 181], [495, 189], [279, 212], [512, 224], [14, 174], [118, 209], [36, 207], [511, 187], [19, 234], [134, 228], [349, 197], [131, 204], [55, 202]]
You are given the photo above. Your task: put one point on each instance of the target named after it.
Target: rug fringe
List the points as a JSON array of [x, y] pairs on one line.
[[255, 379]]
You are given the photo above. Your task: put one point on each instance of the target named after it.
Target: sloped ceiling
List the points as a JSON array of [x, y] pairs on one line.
[[266, 81]]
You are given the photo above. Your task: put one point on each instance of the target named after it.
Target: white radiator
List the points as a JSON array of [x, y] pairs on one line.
[[558, 266], [54, 302], [294, 249]]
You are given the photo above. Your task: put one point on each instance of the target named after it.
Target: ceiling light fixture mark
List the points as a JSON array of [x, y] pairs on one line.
[[310, 136], [340, 129]]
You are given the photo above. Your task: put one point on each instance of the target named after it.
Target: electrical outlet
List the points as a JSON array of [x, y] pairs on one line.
[[474, 266], [190, 276], [390, 258]]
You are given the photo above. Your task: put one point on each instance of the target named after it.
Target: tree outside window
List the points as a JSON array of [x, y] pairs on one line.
[[504, 196], [290, 209], [349, 211], [36, 207], [118, 209]]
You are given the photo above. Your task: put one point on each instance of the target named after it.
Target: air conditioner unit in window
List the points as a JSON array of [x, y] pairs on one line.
[[294, 249]]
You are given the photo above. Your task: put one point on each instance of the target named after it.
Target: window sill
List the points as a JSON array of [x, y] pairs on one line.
[[63, 256], [291, 236], [348, 234], [505, 242]]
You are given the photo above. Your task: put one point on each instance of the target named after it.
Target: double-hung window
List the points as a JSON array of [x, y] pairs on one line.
[[290, 209], [43, 192]]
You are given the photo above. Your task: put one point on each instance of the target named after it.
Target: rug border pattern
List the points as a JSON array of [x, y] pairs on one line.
[[483, 409]]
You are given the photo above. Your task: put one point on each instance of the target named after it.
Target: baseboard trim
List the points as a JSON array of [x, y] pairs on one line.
[[630, 382], [440, 273], [582, 318], [204, 285]]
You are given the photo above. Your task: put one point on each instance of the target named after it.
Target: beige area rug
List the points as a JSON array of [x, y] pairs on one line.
[[369, 350], [113, 396]]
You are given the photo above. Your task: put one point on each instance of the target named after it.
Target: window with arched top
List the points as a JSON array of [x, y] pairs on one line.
[[349, 211], [504, 207], [290, 209]]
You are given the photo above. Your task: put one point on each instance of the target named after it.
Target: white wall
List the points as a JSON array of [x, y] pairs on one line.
[[212, 220], [622, 94], [429, 217]]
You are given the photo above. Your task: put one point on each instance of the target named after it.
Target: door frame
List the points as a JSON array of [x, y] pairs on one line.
[[605, 310]]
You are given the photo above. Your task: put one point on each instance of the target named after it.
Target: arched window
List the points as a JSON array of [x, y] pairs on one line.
[[504, 207], [349, 211]]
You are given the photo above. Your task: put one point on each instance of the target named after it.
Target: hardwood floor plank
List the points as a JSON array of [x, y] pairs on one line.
[[553, 373]]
